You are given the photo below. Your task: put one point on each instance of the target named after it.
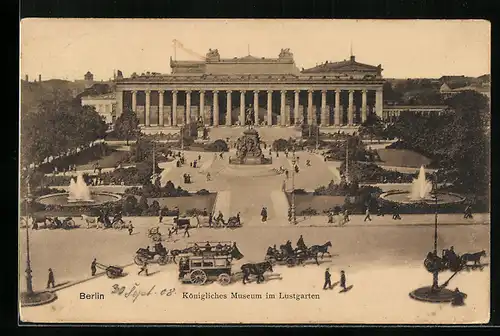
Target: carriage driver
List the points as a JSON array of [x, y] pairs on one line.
[[300, 244]]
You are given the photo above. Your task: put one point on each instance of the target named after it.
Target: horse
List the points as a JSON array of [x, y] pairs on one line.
[[257, 269], [474, 257], [315, 249], [91, 220]]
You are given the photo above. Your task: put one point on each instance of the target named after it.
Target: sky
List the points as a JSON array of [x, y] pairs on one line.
[[68, 48]]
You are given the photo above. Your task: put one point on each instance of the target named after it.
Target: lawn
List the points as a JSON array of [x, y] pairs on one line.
[[319, 203], [109, 161], [185, 203], [402, 158]]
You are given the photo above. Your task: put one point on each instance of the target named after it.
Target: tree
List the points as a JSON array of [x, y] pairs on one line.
[[372, 127], [127, 125], [457, 142], [58, 123]]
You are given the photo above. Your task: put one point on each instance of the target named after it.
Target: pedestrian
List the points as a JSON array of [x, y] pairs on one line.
[[93, 267], [186, 230], [130, 228], [458, 298], [198, 225], [210, 220], [367, 214], [346, 216], [277, 154], [208, 177], [191, 164], [175, 228], [342, 280], [468, 212], [328, 281], [380, 211], [51, 280], [263, 213], [199, 157], [144, 268], [286, 173], [221, 155], [169, 233]]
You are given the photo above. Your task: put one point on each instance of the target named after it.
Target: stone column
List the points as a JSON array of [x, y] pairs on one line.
[[216, 108], [309, 107], [119, 103], [324, 117], [228, 108], [256, 107], [269, 108], [242, 108], [282, 108], [338, 108], [134, 100], [202, 106], [174, 108], [363, 105], [350, 108], [379, 101], [296, 116], [148, 103], [160, 107], [187, 119]]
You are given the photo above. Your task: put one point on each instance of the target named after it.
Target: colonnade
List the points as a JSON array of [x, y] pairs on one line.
[[175, 114]]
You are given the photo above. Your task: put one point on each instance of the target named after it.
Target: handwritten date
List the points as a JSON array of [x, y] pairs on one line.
[[136, 291]]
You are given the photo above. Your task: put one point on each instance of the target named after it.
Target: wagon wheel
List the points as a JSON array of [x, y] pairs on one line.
[[156, 237], [198, 277], [163, 260], [139, 260], [111, 274], [290, 262], [224, 279], [117, 225]]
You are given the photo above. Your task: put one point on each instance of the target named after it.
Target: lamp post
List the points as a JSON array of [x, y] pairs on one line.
[[29, 278], [435, 274], [30, 297], [293, 215]]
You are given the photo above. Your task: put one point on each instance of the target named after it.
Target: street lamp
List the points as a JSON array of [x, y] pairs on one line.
[[293, 215], [435, 274], [30, 297], [29, 278]]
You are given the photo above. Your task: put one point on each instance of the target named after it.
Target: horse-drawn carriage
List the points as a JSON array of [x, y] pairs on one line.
[[453, 262], [289, 256], [198, 270], [53, 223], [160, 255]]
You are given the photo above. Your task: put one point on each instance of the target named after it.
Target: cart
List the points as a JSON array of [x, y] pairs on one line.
[[112, 272], [154, 234]]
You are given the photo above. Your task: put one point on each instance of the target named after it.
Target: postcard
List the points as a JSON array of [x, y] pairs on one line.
[[254, 171]]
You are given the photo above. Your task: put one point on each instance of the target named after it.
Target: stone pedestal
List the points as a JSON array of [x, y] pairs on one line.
[[248, 151]]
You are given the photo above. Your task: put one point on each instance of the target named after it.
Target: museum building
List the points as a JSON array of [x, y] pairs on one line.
[[225, 91]]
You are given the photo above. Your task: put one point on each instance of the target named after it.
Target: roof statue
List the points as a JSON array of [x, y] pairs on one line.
[[213, 54], [285, 53]]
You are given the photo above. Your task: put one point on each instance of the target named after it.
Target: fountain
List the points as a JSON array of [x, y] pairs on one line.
[[420, 187], [78, 195], [421, 192], [79, 191]]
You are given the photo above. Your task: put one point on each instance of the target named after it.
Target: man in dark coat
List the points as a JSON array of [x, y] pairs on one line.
[[51, 280], [263, 213], [93, 267], [458, 298], [342, 280], [328, 281], [300, 244], [186, 230], [210, 219]]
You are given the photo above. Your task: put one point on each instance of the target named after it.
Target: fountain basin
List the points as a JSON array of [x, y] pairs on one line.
[[61, 199], [405, 197]]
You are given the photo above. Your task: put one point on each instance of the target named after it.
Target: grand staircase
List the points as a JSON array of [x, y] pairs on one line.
[[267, 134]]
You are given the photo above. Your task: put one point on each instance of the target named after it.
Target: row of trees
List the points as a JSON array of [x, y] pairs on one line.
[[58, 124]]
